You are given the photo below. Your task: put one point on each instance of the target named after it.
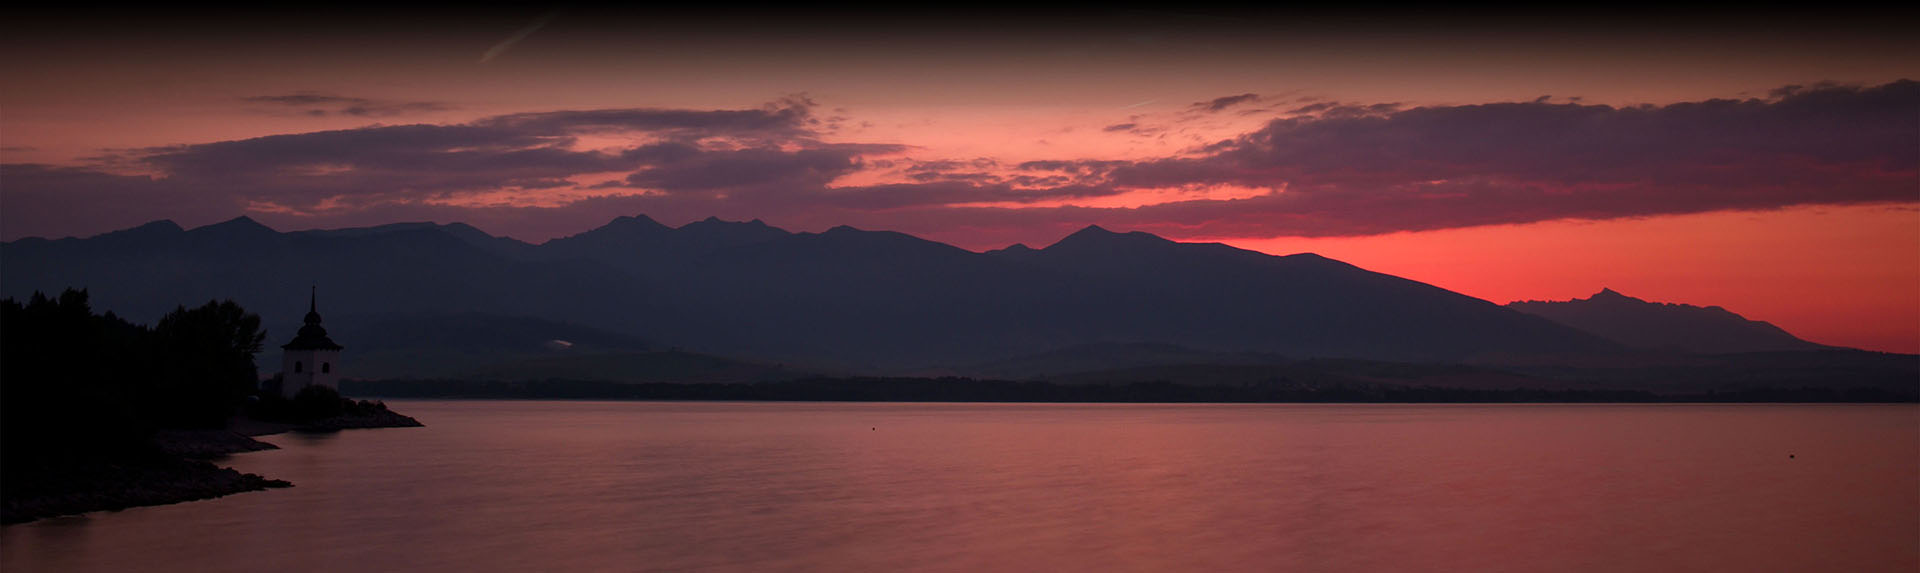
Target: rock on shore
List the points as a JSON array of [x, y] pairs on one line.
[[114, 486], [175, 470], [202, 444], [380, 418]]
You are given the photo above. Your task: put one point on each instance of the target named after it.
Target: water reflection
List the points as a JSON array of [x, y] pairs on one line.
[[313, 438], [746, 486]]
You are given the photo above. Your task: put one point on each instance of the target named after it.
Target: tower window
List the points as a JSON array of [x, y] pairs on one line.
[[297, 366], [326, 367]]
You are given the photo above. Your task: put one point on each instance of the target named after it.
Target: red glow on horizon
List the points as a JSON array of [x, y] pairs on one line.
[[1842, 276]]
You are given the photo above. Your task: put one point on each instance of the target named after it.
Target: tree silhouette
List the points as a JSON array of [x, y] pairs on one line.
[[69, 380], [74, 384], [206, 362]]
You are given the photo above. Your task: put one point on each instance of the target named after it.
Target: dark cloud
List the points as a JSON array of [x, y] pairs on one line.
[[1372, 169], [1334, 109], [323, 104], [379, 163], [1337, 169], [757, 168], [1312, 108], [1136, 127], [370, 168], [787, 118], [1076, 167], [519, 151], [980, 170], [714, 161], [944, 194], [1222, 103]]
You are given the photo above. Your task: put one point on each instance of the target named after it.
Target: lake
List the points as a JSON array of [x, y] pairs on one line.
[[621, 486]]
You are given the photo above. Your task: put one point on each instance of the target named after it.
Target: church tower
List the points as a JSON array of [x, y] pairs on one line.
[[312, 358]]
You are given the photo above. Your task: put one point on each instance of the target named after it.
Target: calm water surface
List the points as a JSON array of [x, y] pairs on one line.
[[619, 486]]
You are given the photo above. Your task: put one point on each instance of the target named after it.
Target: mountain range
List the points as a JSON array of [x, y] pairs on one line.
[[425, 299], [1655, 325]]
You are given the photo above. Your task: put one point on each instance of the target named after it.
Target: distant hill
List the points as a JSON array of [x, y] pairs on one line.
[[1322, 373], [851, 300], [1653, 325], [635, 368], [423, 345], [1109, 356]]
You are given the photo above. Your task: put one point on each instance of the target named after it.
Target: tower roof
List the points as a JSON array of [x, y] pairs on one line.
[[312, 336]]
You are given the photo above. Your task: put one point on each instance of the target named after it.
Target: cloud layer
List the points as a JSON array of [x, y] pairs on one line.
[[1366, 170], [1327, 169], [319, 104]]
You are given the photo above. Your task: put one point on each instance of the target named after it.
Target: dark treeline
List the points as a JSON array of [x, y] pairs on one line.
[[98, 413], [77, 386], [972, 390]]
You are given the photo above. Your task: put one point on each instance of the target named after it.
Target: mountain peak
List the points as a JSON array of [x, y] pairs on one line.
[[1608, 294], [633, 221], [240, 224], [1016, 250], [155, 229], [463, 228], [719, 222], [1097, 235], [627, 225], [1645, 324], [714, 232], [620, 229], [163, 226]]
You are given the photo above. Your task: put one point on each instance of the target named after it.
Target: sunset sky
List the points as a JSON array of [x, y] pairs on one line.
[[1764, 162]]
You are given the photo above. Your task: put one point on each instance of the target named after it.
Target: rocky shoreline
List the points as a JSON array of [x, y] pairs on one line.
[[207, 444], [117, 486], [381, 418], [176, 471], [248, 428]]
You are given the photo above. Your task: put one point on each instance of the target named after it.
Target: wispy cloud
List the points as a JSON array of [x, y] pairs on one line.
[[518, 35], [320, 104], [1221, 103]]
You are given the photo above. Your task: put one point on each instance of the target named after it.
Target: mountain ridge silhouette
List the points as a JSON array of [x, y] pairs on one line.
[[1640, 323], [864, 300]]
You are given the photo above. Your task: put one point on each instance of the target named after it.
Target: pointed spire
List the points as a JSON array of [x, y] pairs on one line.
[[313, 305], [312, 336]]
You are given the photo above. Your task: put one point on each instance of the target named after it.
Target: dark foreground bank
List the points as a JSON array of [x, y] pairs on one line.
[[891, 389], [115, 484], [100, 413], [173, 466]]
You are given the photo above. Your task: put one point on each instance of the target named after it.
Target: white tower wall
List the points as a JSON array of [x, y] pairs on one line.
[[320, 367], [310, 358]]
